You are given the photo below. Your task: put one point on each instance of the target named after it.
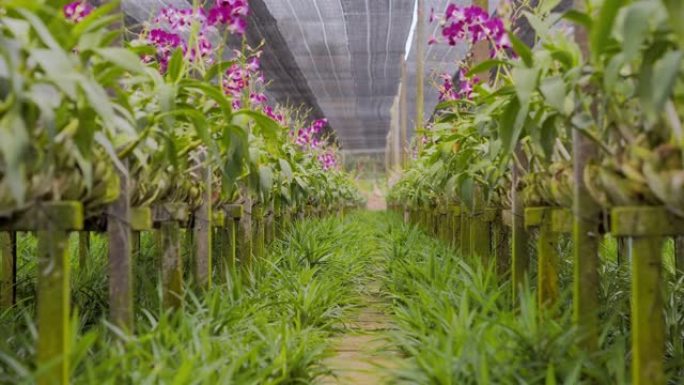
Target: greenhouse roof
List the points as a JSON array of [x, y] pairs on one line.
[[340, 58]]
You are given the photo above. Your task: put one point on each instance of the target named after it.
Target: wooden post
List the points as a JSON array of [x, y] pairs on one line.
[[54, 221], [232, 227], [520, 259], [7, 271], [455, 228], [646, 227], [83, 249], [547, 259], [679, 255], [502, 246], [120, 263], [648, 324], [202, 229], [465, 233], [258, 230], [586, 228], [172, 267], [480, 236]]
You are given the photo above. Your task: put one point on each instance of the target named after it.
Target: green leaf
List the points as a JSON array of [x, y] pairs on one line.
[[486, 66], [123, 58], [667, 70], [525, 80], [579, 17], [41, 29], [14, 141], [58, 68], [265, 178], [521, 49], [217, 69], [675, 12], [635, 28], [176, 66], [268, 127], [553, 89], [602, 30], [285, 169], [212, 92]]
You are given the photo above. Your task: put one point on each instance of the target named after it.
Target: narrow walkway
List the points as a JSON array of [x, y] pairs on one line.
[[362, 354]]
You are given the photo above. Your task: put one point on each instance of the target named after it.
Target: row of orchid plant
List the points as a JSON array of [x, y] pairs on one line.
[[623, 91], [80, 107]]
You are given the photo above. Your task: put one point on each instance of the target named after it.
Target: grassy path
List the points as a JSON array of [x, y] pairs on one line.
[[363, 354]]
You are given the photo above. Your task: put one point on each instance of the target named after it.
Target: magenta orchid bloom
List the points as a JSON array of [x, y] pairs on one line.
[[77, 11], [473, 24]]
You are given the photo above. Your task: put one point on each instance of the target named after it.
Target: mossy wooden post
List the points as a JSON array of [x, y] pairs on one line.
[[54, 221], [502, 245], [258, 230], [232, 226], [172, 267], [480, 239], [444, 226], [218, 238], [465, 233], [202, 230], [7, 270], [585, 234], [547, 260], [647, 228], [83, 249], [520, 259], [120, 260], [141, 220], [455, 226], [679, 255], [244, 237], [170, 216], [269, 224]]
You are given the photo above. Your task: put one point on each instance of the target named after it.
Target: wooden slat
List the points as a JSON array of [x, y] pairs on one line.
[[535, 216], [643, 221], [54, 300], [561, 220], [42, 216], [648, 324]]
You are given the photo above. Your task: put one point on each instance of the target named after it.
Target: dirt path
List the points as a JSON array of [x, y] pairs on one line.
[[363, 355]]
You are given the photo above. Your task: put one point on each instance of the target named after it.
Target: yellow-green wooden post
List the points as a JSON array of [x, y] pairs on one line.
[[646, 228], [502, 246], [480, 239], [202, 233], [455, 226], [465, 233], [232, 226], [679, 255], [258, 230], [120, 260], [7, 270], [172, 266], [547, 259], [54, 221], [648, 324]]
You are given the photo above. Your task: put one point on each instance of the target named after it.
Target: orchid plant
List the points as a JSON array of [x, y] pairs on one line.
[[156, 109]]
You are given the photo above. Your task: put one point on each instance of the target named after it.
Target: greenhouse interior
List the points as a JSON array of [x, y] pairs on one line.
[[289, 192]]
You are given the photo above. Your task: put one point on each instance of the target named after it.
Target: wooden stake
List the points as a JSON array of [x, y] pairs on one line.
[[520, 260], [648, 324], [202, 231], [120, 264], [54, 297], [7, 269], [172, 268]]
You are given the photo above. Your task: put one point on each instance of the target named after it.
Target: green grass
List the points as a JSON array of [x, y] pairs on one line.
[[457, 324], [270, 326]]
